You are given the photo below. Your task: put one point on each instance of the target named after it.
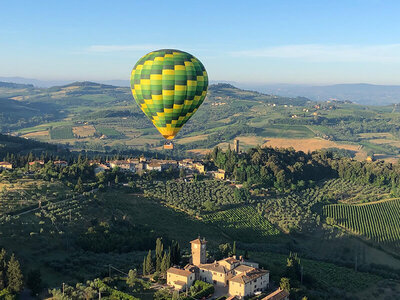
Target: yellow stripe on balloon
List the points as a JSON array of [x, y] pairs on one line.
[[180, 87], [155, 77], [180, 68], [168, 72], [168, 92]]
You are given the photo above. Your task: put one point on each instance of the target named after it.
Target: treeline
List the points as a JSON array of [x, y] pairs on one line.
[[282, 169], [287, 169], [11, 144]]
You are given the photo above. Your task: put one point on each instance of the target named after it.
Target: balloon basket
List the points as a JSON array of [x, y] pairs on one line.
[[168, 146]]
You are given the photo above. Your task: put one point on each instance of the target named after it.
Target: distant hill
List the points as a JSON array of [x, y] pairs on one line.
[[35, 82], [228, 90], [51, 83], [16, 145], [14, 85], [362, 93]]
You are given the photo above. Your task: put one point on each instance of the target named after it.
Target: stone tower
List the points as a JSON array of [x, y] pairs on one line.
[[236, 145], [199, 255]]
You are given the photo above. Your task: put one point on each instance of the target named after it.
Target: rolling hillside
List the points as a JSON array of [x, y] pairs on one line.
[[99, 117]]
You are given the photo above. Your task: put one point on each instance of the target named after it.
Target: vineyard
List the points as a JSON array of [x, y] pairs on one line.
[[379, 222], [242, 223], [61, 133], [301, 211]]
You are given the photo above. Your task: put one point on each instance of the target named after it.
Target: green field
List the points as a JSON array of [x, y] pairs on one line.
[[379, 222], [109, 132], [287, 131], [61, 133]]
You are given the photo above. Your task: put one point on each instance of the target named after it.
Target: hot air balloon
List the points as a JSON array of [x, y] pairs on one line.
[[169, 86]]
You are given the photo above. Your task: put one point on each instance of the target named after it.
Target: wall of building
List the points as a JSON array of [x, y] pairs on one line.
[[260, 284], [236, 289], [172, 278]]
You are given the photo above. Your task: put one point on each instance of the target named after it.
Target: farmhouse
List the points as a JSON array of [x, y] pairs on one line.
[[5, 165], [124, 165], [180, 279], [220, 174], [154, 166], [161, 165], [242, 278]]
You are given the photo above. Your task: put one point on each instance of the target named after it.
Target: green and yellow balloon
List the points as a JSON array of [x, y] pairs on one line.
[[169, 86]]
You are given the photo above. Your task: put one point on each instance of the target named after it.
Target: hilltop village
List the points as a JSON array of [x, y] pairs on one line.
[[231, 276], [138, 165], [135, 166]]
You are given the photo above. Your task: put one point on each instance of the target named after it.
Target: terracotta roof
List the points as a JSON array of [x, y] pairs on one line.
[[40, 162], [179, 272], [198, 241], [215, 267], [243, 268], [249, 276], [154, 165], [231, 298], [277, 295], [230, 260]]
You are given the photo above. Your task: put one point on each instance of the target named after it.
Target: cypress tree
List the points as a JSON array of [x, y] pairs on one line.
[[149, 263], [234, 248], [144, 266], [14, 275], [165, 262], [159, 253], [175, 253]]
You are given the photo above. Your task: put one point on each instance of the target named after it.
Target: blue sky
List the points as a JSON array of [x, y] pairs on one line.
[[312, 42]]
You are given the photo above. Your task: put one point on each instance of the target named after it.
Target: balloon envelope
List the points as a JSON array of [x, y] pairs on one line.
[[169, 86]]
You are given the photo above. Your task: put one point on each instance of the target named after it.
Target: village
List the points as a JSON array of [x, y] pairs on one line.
[[135, 166], [139, 165], [232, 276]]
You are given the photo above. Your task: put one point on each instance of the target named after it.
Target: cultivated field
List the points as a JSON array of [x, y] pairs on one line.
[[306, 145], [379, 221], [84, 131]]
